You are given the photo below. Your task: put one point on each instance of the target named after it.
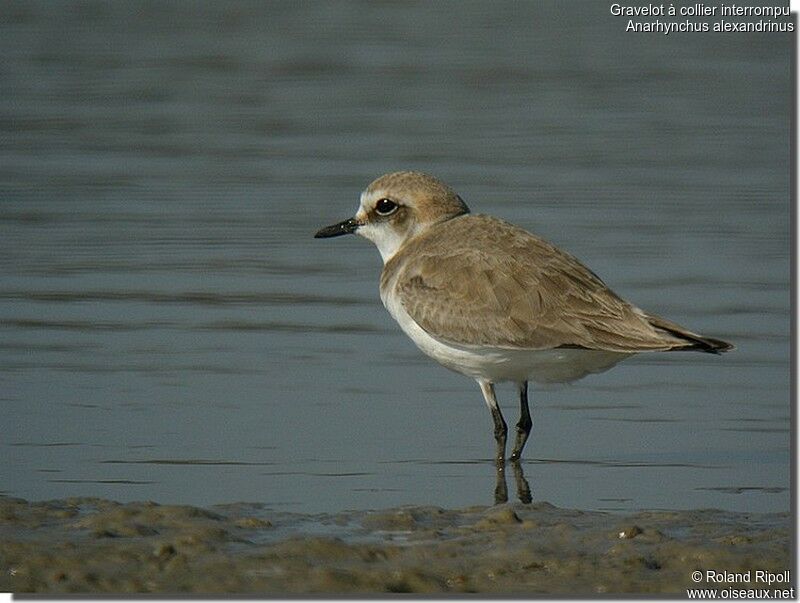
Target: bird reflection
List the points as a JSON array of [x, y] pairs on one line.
[[501, 488]]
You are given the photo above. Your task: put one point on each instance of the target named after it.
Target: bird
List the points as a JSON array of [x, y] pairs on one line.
[[494, 302]]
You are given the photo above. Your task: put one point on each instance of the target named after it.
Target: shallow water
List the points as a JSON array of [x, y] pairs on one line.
[[169, 330]]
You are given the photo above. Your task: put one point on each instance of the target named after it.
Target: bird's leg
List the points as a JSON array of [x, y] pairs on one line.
[[500, 429], [525, 423], [523, 487], [500, 486]]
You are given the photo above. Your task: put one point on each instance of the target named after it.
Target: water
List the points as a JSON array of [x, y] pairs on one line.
[[169, 330]]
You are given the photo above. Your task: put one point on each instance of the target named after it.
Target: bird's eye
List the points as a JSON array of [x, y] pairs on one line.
[[385, 207]]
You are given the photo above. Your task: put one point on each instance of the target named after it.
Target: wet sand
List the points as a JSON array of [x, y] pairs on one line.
[[90, 545]]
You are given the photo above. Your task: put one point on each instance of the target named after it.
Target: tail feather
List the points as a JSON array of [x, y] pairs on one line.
[[693, 340]]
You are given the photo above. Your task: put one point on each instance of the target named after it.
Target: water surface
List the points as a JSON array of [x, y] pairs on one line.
[[169, 330]]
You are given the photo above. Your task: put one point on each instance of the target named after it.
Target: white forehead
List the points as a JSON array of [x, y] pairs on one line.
[[369, 197]]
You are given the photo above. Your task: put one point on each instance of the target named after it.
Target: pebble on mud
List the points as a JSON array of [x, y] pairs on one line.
[[630, 532]]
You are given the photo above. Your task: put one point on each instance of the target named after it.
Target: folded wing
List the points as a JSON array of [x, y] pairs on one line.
[[507, 288]]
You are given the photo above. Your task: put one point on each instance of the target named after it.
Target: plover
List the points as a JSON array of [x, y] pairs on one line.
[[494, 302]]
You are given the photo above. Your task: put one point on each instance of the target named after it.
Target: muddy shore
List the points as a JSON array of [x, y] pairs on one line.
[[89, 545]]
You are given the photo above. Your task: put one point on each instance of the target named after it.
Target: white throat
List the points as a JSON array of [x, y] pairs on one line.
[[386, 238]]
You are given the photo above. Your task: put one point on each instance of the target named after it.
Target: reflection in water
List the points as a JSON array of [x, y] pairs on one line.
[[501, 488]]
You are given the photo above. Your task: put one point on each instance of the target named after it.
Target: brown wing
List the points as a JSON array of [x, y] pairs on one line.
[[504, 287]]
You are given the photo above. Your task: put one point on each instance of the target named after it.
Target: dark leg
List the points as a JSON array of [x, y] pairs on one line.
[[525, 422], [500, 429], [523, 488], [500, 486]]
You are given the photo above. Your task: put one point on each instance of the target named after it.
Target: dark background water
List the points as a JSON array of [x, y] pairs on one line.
[[169, 330]]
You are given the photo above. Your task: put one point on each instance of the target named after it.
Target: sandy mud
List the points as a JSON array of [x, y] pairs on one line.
[[87, 545]]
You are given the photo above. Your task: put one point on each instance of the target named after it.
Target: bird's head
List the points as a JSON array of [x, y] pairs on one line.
[[397, 207]]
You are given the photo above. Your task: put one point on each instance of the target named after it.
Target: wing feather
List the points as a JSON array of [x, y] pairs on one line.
[[504, 287]]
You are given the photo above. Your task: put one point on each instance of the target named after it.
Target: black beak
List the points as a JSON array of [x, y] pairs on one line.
[[337, 230]]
